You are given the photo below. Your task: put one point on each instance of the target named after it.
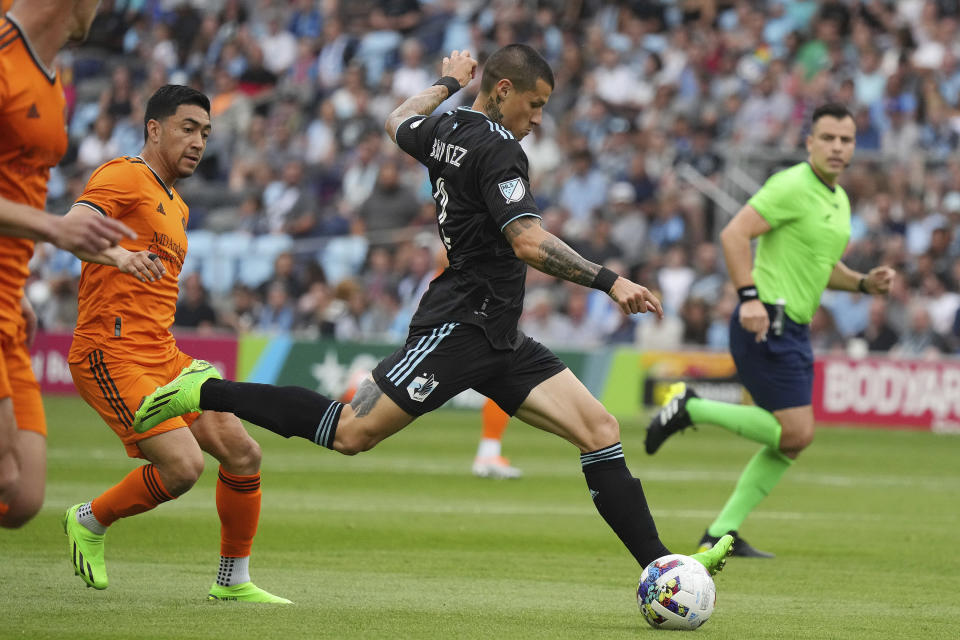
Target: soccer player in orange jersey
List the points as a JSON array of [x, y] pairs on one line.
[[33, 138], [122, 349]]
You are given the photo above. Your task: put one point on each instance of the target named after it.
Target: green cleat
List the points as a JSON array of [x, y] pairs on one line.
[[245, 592], [716, 557], [179, 396], [86, 550]]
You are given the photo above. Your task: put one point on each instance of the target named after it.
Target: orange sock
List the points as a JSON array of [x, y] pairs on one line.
[[495, 421], [140, 491], [238, 504]]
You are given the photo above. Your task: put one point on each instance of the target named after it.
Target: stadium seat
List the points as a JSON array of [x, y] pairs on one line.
[[257, 266], [199, 246], [343, 257]]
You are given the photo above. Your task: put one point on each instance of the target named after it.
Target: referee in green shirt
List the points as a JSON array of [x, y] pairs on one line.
[[801, 217]]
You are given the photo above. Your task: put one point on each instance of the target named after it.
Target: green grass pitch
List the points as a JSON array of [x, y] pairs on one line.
[[402, 542]]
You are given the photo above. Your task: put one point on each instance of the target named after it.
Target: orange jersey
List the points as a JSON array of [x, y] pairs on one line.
[[33, 138], [120, 315]]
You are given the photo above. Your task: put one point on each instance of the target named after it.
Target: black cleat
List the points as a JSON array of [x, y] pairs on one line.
[[673, 417], [741, 548]]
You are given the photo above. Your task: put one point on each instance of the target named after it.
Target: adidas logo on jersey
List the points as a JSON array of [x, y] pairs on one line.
[[160, 209], [32, 112]]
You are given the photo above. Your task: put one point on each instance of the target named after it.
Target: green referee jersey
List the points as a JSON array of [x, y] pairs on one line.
[[810, 228]]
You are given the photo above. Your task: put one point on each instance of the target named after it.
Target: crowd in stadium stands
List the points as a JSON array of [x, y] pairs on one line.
[[306, 219]]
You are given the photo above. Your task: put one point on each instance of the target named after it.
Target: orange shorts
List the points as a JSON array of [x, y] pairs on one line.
[[18, 382], [115, 388]]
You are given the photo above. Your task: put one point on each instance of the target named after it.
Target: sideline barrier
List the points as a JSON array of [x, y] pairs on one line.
[[897, 394], [49, 357], [870, 392]]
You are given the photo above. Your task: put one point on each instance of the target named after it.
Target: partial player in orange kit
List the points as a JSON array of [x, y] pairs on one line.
[[122, 349], [33, 138]]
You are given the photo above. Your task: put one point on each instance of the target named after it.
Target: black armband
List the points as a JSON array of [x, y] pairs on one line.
[[604, 280], [862, 285], [748, 293], [450, 83]]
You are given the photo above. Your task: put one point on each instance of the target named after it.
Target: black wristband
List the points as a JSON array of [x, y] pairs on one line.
[[862, 285], [604, 280], [748, 293], [450, 83]]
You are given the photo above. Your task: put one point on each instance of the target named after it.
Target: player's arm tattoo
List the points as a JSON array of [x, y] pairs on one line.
[[553, 256], [558, 259], [424, 103], [365, 397]]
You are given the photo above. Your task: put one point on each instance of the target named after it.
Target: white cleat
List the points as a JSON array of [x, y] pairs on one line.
[[495, 467]]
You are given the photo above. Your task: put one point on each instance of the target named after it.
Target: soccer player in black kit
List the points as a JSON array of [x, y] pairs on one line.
[[464, 333]]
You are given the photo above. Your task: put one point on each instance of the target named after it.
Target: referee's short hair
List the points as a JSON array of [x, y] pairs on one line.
[[518, 63], [832, 109]]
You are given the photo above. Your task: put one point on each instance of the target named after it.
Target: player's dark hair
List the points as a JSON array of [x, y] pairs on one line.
[[832, 109], [164, 102], [518, 63]]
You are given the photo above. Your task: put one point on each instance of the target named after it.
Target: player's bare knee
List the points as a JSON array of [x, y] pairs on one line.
[[243, 456], [795, 441], [180, 475], [350, 444], [9, 478], [21, 513], [604, 430]]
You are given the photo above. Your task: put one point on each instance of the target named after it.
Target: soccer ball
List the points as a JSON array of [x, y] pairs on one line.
[[676, 592]]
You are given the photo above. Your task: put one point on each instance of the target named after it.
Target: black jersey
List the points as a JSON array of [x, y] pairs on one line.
[[479, 177]]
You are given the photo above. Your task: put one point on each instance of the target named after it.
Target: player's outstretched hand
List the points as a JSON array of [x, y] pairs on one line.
[[88, 232], [459, 65], [143, 265], [754, 318], [879, 279], [634, 298]]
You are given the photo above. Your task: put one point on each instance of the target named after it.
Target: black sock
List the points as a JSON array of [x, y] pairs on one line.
[[619, 498], [287, 411]]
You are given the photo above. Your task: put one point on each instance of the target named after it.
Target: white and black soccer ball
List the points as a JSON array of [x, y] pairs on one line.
[[676, 592]]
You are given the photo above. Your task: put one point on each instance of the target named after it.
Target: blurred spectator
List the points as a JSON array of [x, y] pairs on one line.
[[277, 313], [284, 273], [660, 334], [696, 321], [287, 198], [668, 227], [598, 245], [98, 146], [674, 279], [243, 311], [281, 44], [920, 340], [583, 190], [363, 166], [390, 205], [193, 309], [541, 321], [824, 337], [629, 225], [411, 76], [878, 335]]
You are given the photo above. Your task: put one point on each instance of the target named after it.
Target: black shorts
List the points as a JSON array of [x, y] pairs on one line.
[[439, 362]]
